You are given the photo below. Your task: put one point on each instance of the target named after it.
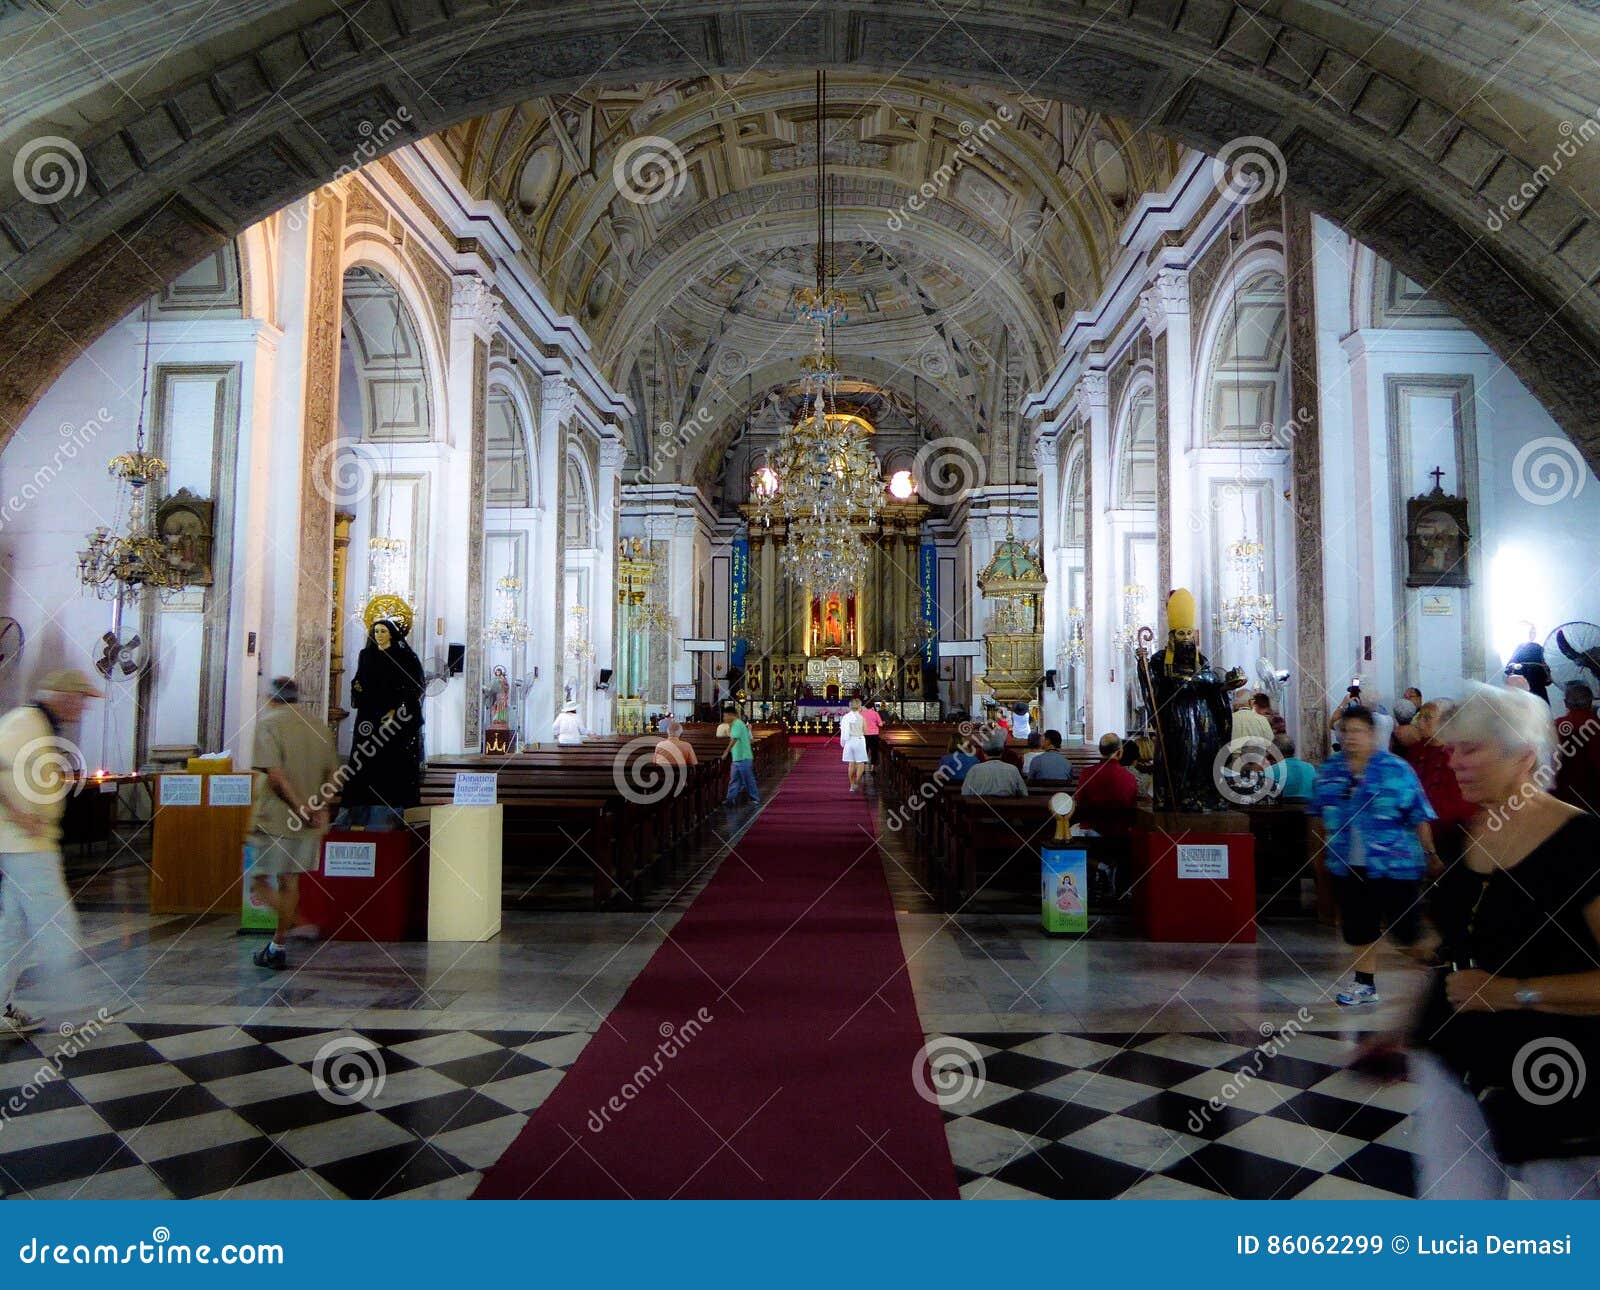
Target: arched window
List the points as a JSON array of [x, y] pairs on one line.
[[1136, 459], [1247, 398], [579, 511], [1076, 520], [506, 482], [383, 349]]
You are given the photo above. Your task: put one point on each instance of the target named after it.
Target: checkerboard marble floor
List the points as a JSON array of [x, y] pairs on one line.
[[1199, 1116], [163, 1110]]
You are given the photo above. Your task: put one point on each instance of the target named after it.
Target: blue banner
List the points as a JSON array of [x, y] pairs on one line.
[[928, 578], [739, 594], [1314, 1245]]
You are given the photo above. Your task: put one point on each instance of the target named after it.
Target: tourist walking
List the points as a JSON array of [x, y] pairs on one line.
[[1377, 821], [853, 740], [741, 758], [37, 919], [296, 773]]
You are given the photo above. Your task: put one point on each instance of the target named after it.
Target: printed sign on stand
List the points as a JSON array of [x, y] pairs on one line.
[[180, 790], [476, 788], [1202, 860], [349, 859], [229, 790]]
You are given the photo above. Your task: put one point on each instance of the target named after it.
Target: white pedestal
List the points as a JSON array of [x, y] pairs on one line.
[[464, 872]]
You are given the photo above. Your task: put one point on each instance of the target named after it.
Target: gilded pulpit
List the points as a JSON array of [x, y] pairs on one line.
[[1013, 644]]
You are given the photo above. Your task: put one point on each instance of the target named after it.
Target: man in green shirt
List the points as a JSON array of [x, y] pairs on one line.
[[741, 760], [1294, 780]]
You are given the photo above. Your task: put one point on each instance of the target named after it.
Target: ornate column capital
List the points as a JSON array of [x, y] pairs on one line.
[[1167, 295], [613, 453], [557, 397], [1046, 447], [473, 301], [1093, 389]]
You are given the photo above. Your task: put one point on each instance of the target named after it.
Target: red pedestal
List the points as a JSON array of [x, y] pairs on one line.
[[1192, 894], [390, 905]]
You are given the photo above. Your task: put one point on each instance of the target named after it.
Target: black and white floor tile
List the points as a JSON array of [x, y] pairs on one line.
[[164, 1110], [1118, 1115]]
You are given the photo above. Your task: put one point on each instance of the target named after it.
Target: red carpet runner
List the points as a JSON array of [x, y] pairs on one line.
[[771, 1046]]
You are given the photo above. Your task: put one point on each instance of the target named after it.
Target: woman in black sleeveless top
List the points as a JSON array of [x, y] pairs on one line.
[[1508, 1042]]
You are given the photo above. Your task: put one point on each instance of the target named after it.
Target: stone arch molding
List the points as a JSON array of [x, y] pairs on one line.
[[1371, 111]]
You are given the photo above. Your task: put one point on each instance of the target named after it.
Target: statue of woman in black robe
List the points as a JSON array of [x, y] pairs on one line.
[[386, 745]]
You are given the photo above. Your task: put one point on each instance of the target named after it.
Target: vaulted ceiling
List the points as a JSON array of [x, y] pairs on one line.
[[677, 220]]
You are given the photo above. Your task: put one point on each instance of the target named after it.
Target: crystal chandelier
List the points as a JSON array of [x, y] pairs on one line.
[[1251, 611], [507, 630], [1075, 651], [579, 648], [386, 558], [1133, 597], [113, 562]]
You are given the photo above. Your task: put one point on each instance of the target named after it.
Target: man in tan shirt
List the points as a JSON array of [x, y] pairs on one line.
[[297, 778], [37, 768]]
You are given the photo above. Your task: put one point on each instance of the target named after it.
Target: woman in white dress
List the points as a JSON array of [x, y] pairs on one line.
[[853, 739]]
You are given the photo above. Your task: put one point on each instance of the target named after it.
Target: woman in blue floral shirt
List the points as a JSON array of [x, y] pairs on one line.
[[1379, 845]]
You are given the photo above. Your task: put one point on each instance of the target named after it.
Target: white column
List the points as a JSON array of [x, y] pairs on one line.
[[684, 583], [556, 399], [1052, 711], [1166, 309], [603, 615], [1105, 665]]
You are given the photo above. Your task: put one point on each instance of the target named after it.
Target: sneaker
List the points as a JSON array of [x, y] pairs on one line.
[[1357, 995], [266, 958], [16, 1022]]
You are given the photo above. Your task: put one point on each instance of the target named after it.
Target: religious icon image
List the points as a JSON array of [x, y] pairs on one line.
[[184, 523], [1436, 538], [386, 744]]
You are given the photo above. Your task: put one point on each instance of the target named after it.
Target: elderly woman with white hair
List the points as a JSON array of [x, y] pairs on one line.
[[1508, 1044]]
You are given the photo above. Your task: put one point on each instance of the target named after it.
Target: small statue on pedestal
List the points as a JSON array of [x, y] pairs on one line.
[[1189, 702]]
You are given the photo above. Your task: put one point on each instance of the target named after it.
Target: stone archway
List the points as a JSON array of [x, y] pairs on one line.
[[1383, 121]]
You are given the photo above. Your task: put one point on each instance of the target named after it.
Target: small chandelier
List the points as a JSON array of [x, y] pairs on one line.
[[507, 630], [112, 563], [1075, 651], [1126, 636], [579, 648], [1251, 611], [386, 558]]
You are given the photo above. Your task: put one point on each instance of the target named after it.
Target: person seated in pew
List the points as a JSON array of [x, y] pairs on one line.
[[1050, 766], [958, 759], [1108, 785], [673, 749], [1139, 756], [1295, 780], [1035, 747], [569, 726], [992, 776]]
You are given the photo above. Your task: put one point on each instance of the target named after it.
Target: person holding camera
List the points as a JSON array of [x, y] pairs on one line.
[[1355, 697]]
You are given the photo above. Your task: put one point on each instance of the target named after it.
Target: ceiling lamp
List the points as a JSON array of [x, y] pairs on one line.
[[902, 486], [116, 561], [507, 630]]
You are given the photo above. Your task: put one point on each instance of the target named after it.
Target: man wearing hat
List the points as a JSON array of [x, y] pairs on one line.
[[569, 726], [296, 776], [37, 765]]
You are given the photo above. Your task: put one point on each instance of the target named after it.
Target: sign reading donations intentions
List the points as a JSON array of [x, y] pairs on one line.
[[349, 859], [1202, 860], [228, 790], [180, 790], [476, 788]]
